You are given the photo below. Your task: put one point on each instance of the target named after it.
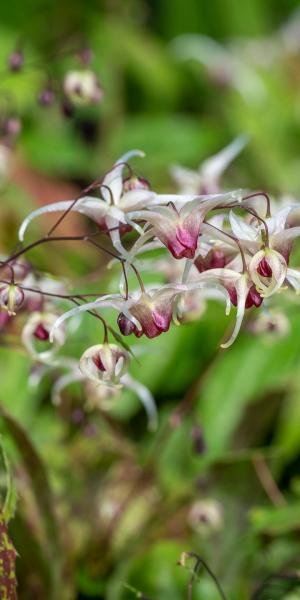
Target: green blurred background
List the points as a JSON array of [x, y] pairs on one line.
[[121, 502]]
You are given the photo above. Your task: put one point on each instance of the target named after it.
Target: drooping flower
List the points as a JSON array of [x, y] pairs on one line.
[[37, 330], [11, 297], [82, 87], [104, 363], [149, 311], [109, 211], [268, 270], [206, 180], [179, 230]]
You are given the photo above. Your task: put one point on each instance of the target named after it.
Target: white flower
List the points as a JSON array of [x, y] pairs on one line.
[[206, 180]]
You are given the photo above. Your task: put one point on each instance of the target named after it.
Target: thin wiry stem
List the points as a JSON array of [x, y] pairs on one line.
[[267, 198], [88, 189], [265, 477], [235, 239], [61, 238], [200, 562], [52, 294], [254, 213]]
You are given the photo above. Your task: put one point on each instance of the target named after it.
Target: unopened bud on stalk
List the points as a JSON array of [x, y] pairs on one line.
[[46, 97], [16, 60], [12, 127]]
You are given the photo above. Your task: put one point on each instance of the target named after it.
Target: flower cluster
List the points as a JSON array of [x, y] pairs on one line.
[[200, 243]]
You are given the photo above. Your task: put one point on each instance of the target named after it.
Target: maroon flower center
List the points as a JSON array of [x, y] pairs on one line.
[[253, 297], [41, 333], [98, 362], [264, 268], [127, 327]]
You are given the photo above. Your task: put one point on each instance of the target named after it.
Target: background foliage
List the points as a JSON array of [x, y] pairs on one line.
[[100, 500]]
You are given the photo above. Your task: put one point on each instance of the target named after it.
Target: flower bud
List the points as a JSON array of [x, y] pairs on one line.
[[82, 87], [274, 324], [12, 127], [198, 440], [67, 108], [11, 298], [206, 516], [135, 183], [104, 363], [16, 60], [85, 55], [46, 97]]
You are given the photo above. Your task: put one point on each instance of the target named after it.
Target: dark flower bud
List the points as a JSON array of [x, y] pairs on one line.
[[46, 97], [16, 60], [12, 127], [85, 55], [198, 440], [67, 108]]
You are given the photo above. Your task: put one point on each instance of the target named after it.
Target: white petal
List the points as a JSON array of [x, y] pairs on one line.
[[114, 178], [242, 230], [135, 199], [212, 168], [94, 208], [242, 292], [277, 223], [62, 382], [145, 397], [293, 277], [188, 181], [108, 301]]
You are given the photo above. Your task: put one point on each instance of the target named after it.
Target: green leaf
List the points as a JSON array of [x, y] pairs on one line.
[[41, 489], [242, 374], [276, 520]]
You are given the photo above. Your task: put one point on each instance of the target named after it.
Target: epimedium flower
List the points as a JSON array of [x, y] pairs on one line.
[[11, 298], [104, 363], [37, 330], [268, 270], [279, 227], [82, 87], [149, 312], [206, 179], [104, 367], [179, 230], [117, 198], [153, 312]]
